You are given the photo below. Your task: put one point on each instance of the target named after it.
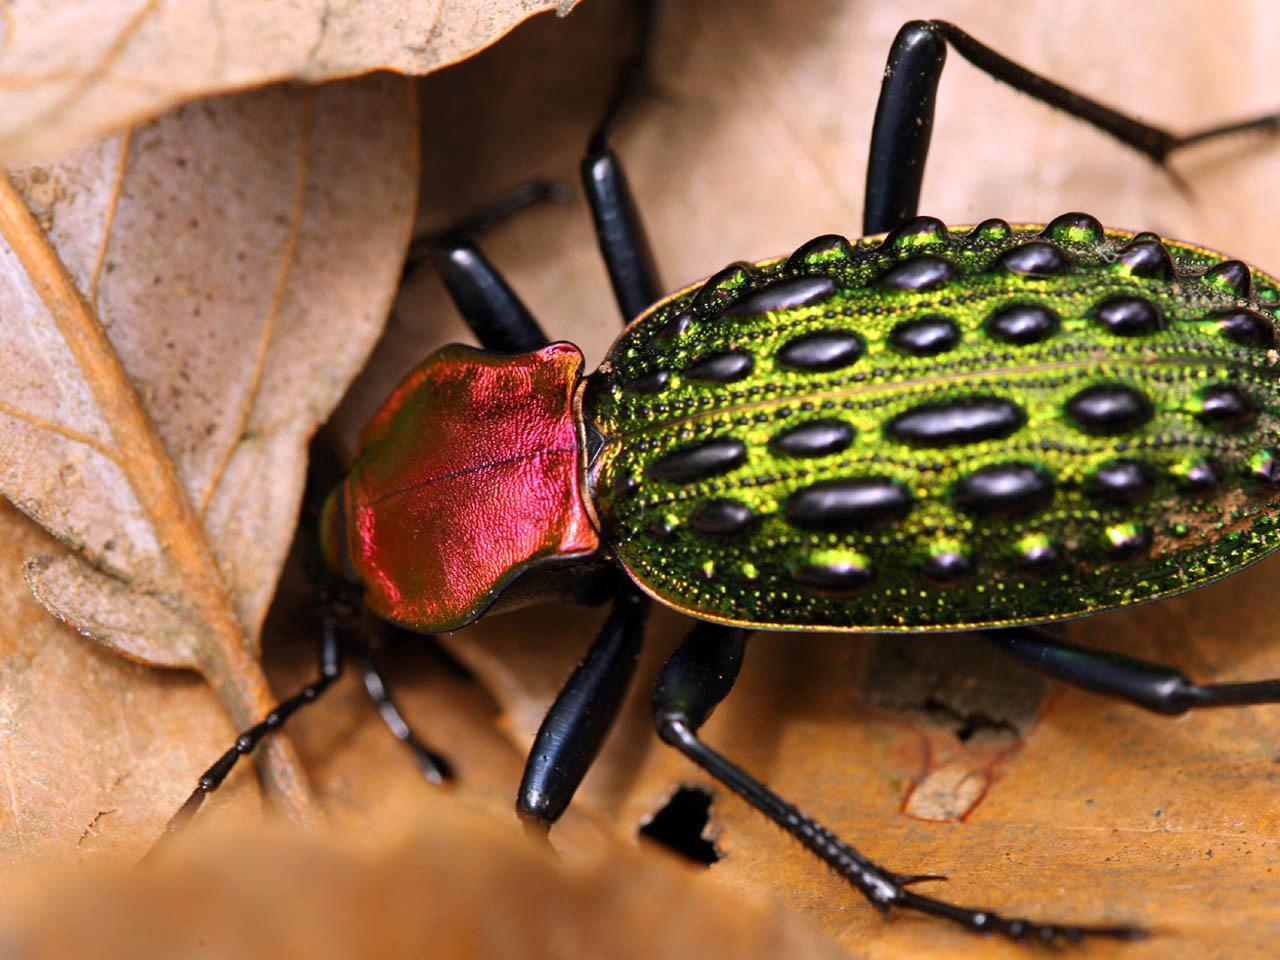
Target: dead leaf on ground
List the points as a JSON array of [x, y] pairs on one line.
[[1061, 804], [183, 305], [74, 70]]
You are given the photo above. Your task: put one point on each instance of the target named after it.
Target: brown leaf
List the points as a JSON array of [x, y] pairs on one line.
[[1066, 806], [184, 303], [72, 70]]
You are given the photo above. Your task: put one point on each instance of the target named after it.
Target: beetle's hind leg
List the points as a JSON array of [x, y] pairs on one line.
[[904, 116], [698, 676], [1151, 686]]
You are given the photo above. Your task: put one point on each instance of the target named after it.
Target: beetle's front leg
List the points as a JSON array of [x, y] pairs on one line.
[[697, 677]]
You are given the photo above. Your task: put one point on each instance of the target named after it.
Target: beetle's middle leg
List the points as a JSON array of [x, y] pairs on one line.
[[1151, 686], [904, 116], [698, 676]]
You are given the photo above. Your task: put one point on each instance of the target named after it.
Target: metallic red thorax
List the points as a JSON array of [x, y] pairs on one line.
[[466, 478]]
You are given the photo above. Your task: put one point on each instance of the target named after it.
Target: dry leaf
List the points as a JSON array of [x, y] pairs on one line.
[[183, 305], [72, 70], [1063, 805]]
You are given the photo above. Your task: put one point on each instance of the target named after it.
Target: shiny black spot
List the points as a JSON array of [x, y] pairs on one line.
[[818, 438], [840, 504], [822, 351], [624, 484], [1004, 489], [838, 578], [1122, 481], [821, 249], [1247, 327], [921, 272], [1231, 276], [1109, 408], [675, 328], [947, 567], [722, 287], [1200, 477], [785, 295], [1147, 258], [655, 381], [1074, 228], [967, 420], [926, 336], [723, 367], [1023, 323], [993, 228], [1266, 467], [1034, 259], [721, 518], [1040, 559], [708, 459], [1129, 316], [1225, 406], [916, 231], [1124, 544]]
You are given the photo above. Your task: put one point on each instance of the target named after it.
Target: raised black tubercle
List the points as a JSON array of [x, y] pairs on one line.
[[1075, 228], [655, 381], [917, 232], [947, 567], [1223, 405], [1126, 316], [727, 366], [817, 438], [1247, 327], [926, 336], [1109, 408], [722, 518], [724, 286], [1147, 258], [700, 461], [837, 578], [836, 505], [921, 272], [959, 421], [828, 248], [1231, 276], [1036, 259], [1022, 323], [785, 295], [1005, 489], [821, 351], [1124, 481]]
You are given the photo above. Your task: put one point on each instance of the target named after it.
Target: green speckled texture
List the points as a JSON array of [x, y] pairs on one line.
[[750, 577]]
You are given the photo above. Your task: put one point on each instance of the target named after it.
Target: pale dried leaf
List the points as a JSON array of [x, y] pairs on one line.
[[72, 70]]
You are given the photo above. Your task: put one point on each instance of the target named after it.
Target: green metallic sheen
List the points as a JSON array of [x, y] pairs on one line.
[[1110, 551]]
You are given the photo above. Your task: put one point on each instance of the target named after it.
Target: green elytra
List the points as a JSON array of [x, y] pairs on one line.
[[1112, 441]]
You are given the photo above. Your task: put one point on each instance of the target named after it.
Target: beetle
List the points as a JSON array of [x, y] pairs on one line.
[[975, 428]]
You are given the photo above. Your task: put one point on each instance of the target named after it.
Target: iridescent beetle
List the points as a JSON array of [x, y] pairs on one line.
[[976, 428]]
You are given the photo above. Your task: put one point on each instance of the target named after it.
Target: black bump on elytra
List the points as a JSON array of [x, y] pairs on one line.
[[818, 438], [723, 286], [1122, 481], [1034, 259], [724, 367], [1022, 323], [624, 484], [1266, 468], [707, 459], [1109, 408], [1040, 558], [1132, 543], [1247, 327], [947, 567], [785, 295], [838, 578], [828, 247], [1147, 258], [1004, 489], [1224, 406], [993, 228], [966, 420], [721, 518], [1127, 316], [1064, 227], [655, 381], [836, 505], [822, 351], [921, 272], [1201, 477], [675, 328], [1231, 276], [926, 336], [917, 231]]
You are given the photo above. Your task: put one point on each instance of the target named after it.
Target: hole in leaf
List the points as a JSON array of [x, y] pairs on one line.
[[681, 823]]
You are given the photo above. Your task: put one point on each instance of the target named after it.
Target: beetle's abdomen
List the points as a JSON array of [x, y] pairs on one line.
[[937, 430]]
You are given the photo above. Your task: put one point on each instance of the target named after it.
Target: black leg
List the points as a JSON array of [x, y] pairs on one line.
[[1151, 686], [904, 116], [494, 312], [585, 709], [619, 230], [433, 766], [697, 677], [330, 669]]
